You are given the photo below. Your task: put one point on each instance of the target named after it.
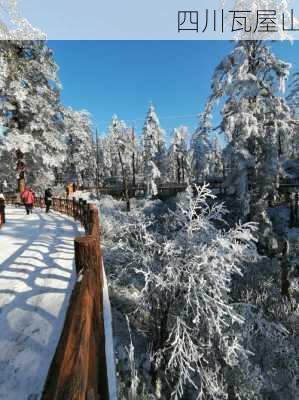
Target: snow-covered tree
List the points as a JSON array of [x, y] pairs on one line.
[[117, 131], [121, 153], [293, 95], [216, 162], [186, 266], [14, 26], [151, 178], [153, 142], [293, 102], [256, 121], [80, 157], [177, 158], [30, 111], [201, 150], [268, 330]]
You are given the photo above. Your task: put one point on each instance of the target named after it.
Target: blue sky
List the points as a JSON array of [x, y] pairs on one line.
[[122, 77]]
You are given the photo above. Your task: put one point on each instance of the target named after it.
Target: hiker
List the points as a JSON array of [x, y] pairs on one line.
[[28, 199], [2, 209], [48, 199]]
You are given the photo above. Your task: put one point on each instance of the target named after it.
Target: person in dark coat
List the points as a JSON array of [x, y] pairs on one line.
[[48, 199]]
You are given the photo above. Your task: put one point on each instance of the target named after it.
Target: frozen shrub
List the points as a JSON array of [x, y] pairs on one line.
[[186, 273]]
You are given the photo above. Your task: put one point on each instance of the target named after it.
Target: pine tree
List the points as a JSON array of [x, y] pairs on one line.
[[30, 111], [153, 143], [177, 157], [293, 95], [216, 162], [121, 154], [293, 102], [80, 160], [256, 121], [201, 150]]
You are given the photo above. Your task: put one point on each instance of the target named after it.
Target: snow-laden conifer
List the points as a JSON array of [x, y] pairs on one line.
[[178, 165], [80, 157], [153, 144]]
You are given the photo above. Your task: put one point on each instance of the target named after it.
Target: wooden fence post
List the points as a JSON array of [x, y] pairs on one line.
[[84, 248]]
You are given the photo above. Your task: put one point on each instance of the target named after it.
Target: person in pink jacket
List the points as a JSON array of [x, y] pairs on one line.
[[28, 199]]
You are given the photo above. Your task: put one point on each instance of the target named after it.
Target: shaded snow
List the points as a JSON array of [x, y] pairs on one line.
[[36, 280]]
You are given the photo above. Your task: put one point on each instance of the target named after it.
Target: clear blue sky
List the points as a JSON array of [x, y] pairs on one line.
[[122, 77]]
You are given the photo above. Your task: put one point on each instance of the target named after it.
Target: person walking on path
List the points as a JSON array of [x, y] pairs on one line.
[[48, 199], [2, 209], [28, 199]]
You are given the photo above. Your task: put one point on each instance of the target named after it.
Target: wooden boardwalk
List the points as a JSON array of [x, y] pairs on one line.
[[169, 189], [36, 280], [55, 316]]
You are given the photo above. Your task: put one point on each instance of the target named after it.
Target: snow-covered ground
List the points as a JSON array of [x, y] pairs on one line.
[[36, 280]]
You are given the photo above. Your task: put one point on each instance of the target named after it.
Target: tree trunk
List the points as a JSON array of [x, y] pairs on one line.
[[161, 335], [133, 170], [183, 169], [178, 169], [285, 283]]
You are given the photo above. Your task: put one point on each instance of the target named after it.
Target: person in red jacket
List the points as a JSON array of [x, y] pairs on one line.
[[28, 199]]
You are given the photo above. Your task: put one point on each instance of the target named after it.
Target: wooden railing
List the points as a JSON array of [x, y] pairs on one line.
[[78, 209], [78, 370]]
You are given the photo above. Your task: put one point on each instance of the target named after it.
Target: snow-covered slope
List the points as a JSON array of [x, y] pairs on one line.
[[36, 280]]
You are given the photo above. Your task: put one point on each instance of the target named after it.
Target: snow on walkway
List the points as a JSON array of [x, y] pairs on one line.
[[36, 280]]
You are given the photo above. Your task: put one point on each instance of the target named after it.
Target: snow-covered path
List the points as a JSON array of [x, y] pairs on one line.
[[36, 280]]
